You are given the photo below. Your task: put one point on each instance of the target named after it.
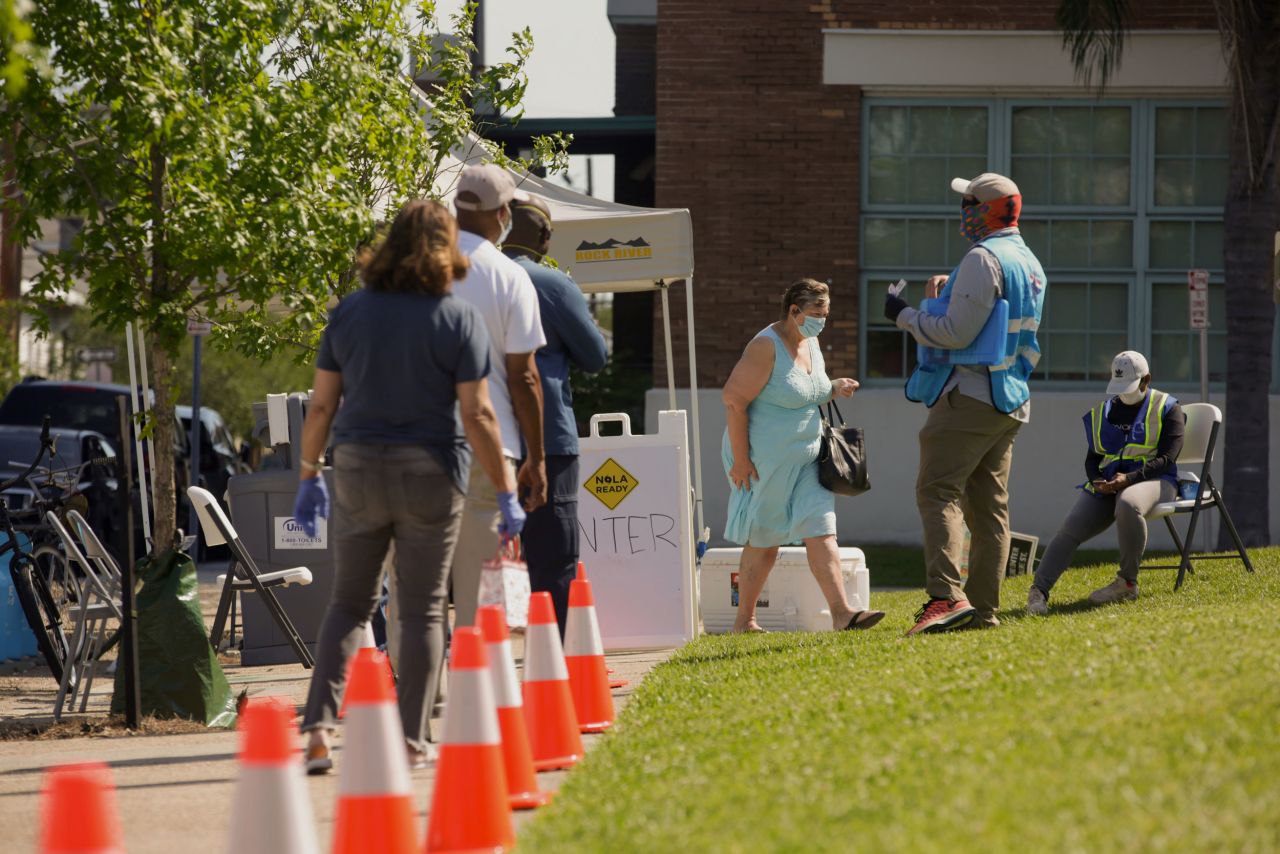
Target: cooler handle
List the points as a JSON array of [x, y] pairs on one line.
[[609, 417]]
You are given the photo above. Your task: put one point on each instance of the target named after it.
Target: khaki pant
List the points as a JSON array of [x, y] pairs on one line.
[[478, 541], [966, 449]]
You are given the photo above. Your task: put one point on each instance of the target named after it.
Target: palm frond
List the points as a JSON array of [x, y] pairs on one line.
[[1094, 33]]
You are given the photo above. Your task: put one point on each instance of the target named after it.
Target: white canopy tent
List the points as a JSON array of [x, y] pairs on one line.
[[610, 247]]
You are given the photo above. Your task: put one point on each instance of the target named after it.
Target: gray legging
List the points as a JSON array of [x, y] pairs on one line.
[[381, 493], [1093, 514]]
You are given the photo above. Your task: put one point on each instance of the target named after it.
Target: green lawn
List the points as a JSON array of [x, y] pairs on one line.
[[1150, 726]]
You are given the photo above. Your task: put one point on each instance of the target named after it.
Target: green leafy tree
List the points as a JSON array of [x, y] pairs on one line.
[[1094, 34], [230, 157]]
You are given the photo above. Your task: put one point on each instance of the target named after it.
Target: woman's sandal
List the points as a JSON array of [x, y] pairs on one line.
[[750, 630], [864, 620]]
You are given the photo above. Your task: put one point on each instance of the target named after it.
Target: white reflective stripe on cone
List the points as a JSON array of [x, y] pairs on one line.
[[375, 757], [502, 672], [543, 655], [368, 641], [470, 716], [582, 633], [271, 811]]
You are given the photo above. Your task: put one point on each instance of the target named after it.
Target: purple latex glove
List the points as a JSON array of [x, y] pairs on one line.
[[512, 515], [312, 501]]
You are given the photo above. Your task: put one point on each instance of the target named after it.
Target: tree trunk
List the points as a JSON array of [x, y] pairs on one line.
[[1252, 217], [163, 437]]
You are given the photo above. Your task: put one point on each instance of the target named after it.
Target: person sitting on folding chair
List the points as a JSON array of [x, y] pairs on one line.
[[1134, 441]]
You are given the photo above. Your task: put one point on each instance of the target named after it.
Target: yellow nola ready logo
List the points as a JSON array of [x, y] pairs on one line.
[[613, 250], [611, 483]]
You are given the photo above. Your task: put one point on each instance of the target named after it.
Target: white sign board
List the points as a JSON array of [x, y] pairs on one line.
[[199, 327], [1198, 291], [289, 534], [635, 533]]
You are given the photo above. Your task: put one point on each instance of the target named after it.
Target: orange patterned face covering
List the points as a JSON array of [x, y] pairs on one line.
[[977, 221]]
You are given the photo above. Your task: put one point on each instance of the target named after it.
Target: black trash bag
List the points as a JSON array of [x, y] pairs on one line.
[[179, 672]]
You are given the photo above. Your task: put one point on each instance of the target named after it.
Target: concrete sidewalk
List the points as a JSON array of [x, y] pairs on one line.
[[175, 791]]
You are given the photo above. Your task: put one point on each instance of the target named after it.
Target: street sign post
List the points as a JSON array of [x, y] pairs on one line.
[[1198, 303]]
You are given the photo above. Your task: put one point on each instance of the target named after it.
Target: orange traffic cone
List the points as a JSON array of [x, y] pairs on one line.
[[366, 642], [522, 784], [375, 798], [78, 811], [469, 807], [548, 703], [271, 813], [613, 683], [584, 659]]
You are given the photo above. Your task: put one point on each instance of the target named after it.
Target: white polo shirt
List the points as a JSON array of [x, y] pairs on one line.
[[506, 298]]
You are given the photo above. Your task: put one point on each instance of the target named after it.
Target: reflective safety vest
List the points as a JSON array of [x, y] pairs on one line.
[[1024, 286], [1127, 450]]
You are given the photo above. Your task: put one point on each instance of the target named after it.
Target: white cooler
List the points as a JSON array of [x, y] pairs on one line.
[[790, 601]]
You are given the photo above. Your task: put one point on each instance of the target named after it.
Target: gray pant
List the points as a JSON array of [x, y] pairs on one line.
[[1093, 514], [381, 493]]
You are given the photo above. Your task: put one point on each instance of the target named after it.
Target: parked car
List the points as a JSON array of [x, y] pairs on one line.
[[220, 458], [80, 406], [83, 461]]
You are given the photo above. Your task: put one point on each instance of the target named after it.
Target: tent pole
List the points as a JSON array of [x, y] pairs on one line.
[[666, 337], [693, 408]]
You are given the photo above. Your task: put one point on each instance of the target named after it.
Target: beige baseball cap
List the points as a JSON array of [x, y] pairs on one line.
[[987, 187], [1127, 370], [486, 188]]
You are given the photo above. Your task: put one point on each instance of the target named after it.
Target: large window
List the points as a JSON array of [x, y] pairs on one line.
[[1120, 199]]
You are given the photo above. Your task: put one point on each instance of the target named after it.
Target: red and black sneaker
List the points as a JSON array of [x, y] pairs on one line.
[[942, 615]]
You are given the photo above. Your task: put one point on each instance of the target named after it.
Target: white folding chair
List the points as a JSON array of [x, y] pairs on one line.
[[99, 602], [1200, 439], [243, 575]]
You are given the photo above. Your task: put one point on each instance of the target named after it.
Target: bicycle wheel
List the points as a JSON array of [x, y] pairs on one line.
[[42, 612], [62, 581]]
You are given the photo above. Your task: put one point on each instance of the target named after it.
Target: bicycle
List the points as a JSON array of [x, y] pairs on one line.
[[46, 588]]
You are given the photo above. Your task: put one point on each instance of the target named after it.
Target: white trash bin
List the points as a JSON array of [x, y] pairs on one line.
[[790, 601]]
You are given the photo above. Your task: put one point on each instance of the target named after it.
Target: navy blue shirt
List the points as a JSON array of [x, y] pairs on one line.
[[401, 356], [572, 338]]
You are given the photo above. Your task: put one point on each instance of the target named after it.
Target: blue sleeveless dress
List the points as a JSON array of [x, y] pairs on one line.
[[787, 504]]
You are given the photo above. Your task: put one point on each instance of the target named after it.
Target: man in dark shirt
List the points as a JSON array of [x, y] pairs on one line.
[[550, 537], [1134, 441]]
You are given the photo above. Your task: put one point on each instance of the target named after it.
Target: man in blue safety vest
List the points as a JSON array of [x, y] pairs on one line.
[[1134, 439], [974, 382]]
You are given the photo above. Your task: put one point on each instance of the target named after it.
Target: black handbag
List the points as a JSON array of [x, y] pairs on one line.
[[842, 457]]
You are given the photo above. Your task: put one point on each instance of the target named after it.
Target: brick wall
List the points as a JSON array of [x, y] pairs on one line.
[[766, 157], [635, 47]]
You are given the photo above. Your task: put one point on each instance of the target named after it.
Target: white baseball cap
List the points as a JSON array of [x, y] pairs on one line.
[[1127, 370], [987, 187], [486, 188]]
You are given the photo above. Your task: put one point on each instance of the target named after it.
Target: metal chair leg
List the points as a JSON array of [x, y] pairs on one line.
[[1173, 532], [224, 604], [282, 620], [1185, 565], [1231, 528]]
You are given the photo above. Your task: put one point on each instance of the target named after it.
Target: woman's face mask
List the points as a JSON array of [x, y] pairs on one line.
[[809, 325]]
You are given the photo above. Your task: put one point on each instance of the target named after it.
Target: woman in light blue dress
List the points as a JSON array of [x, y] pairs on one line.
[[770, 453]]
